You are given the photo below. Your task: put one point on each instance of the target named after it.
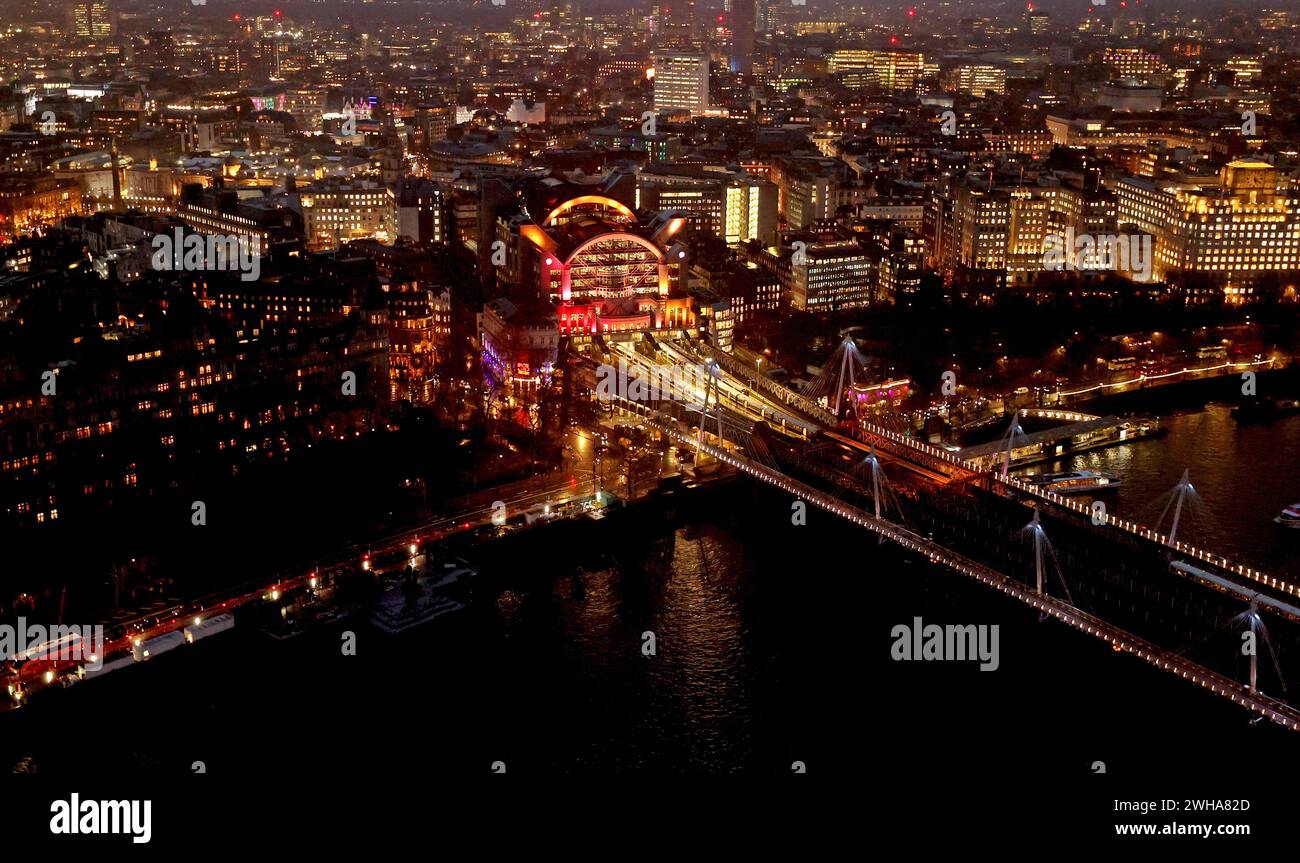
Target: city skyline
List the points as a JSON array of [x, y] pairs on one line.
[[608, 388]]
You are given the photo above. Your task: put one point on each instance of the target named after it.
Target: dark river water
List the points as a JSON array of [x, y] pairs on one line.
[[1242, 475], [772, 650]]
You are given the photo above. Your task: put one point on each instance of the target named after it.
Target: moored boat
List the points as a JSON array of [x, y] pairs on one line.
[[1075, 481], [1289, 517]]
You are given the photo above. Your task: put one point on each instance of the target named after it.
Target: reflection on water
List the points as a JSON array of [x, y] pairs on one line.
[[1243, 476], [766, 638], [661, 642], [771, 646]]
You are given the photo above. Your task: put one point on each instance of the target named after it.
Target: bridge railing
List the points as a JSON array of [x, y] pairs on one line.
[[1141, 530], [785, 394], [929, 450], [1205, 371], [789, 424], [944, 456], [1273, 709], [1126, 525]]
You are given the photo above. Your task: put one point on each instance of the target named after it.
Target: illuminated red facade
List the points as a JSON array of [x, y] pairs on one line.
[[607, 271]]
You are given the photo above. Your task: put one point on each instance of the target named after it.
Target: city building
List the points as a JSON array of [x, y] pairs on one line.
[[818, 275], [747, 287], [419, 331], [891, 70], [161, 400], [812, 188], [681, 82], [520, 347], [730, 205], [422, 214], [268, 224], [31, 202], [977, 79], [603, 268], [1242, 226], [742, 15], [337, 211], [92, 19]]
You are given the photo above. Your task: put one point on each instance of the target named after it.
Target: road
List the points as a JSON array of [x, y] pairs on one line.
[[578, 479]]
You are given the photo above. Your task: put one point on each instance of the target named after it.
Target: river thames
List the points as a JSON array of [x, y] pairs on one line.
[[771, 655], [1243, 476]]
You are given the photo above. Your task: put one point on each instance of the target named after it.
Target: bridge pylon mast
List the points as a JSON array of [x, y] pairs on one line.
[[847, 361], [1011, 442], [1254, 653], [1259, 632], [711, 382], [1180, 495], [875, 479], [717, 399], [1036, 526]]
